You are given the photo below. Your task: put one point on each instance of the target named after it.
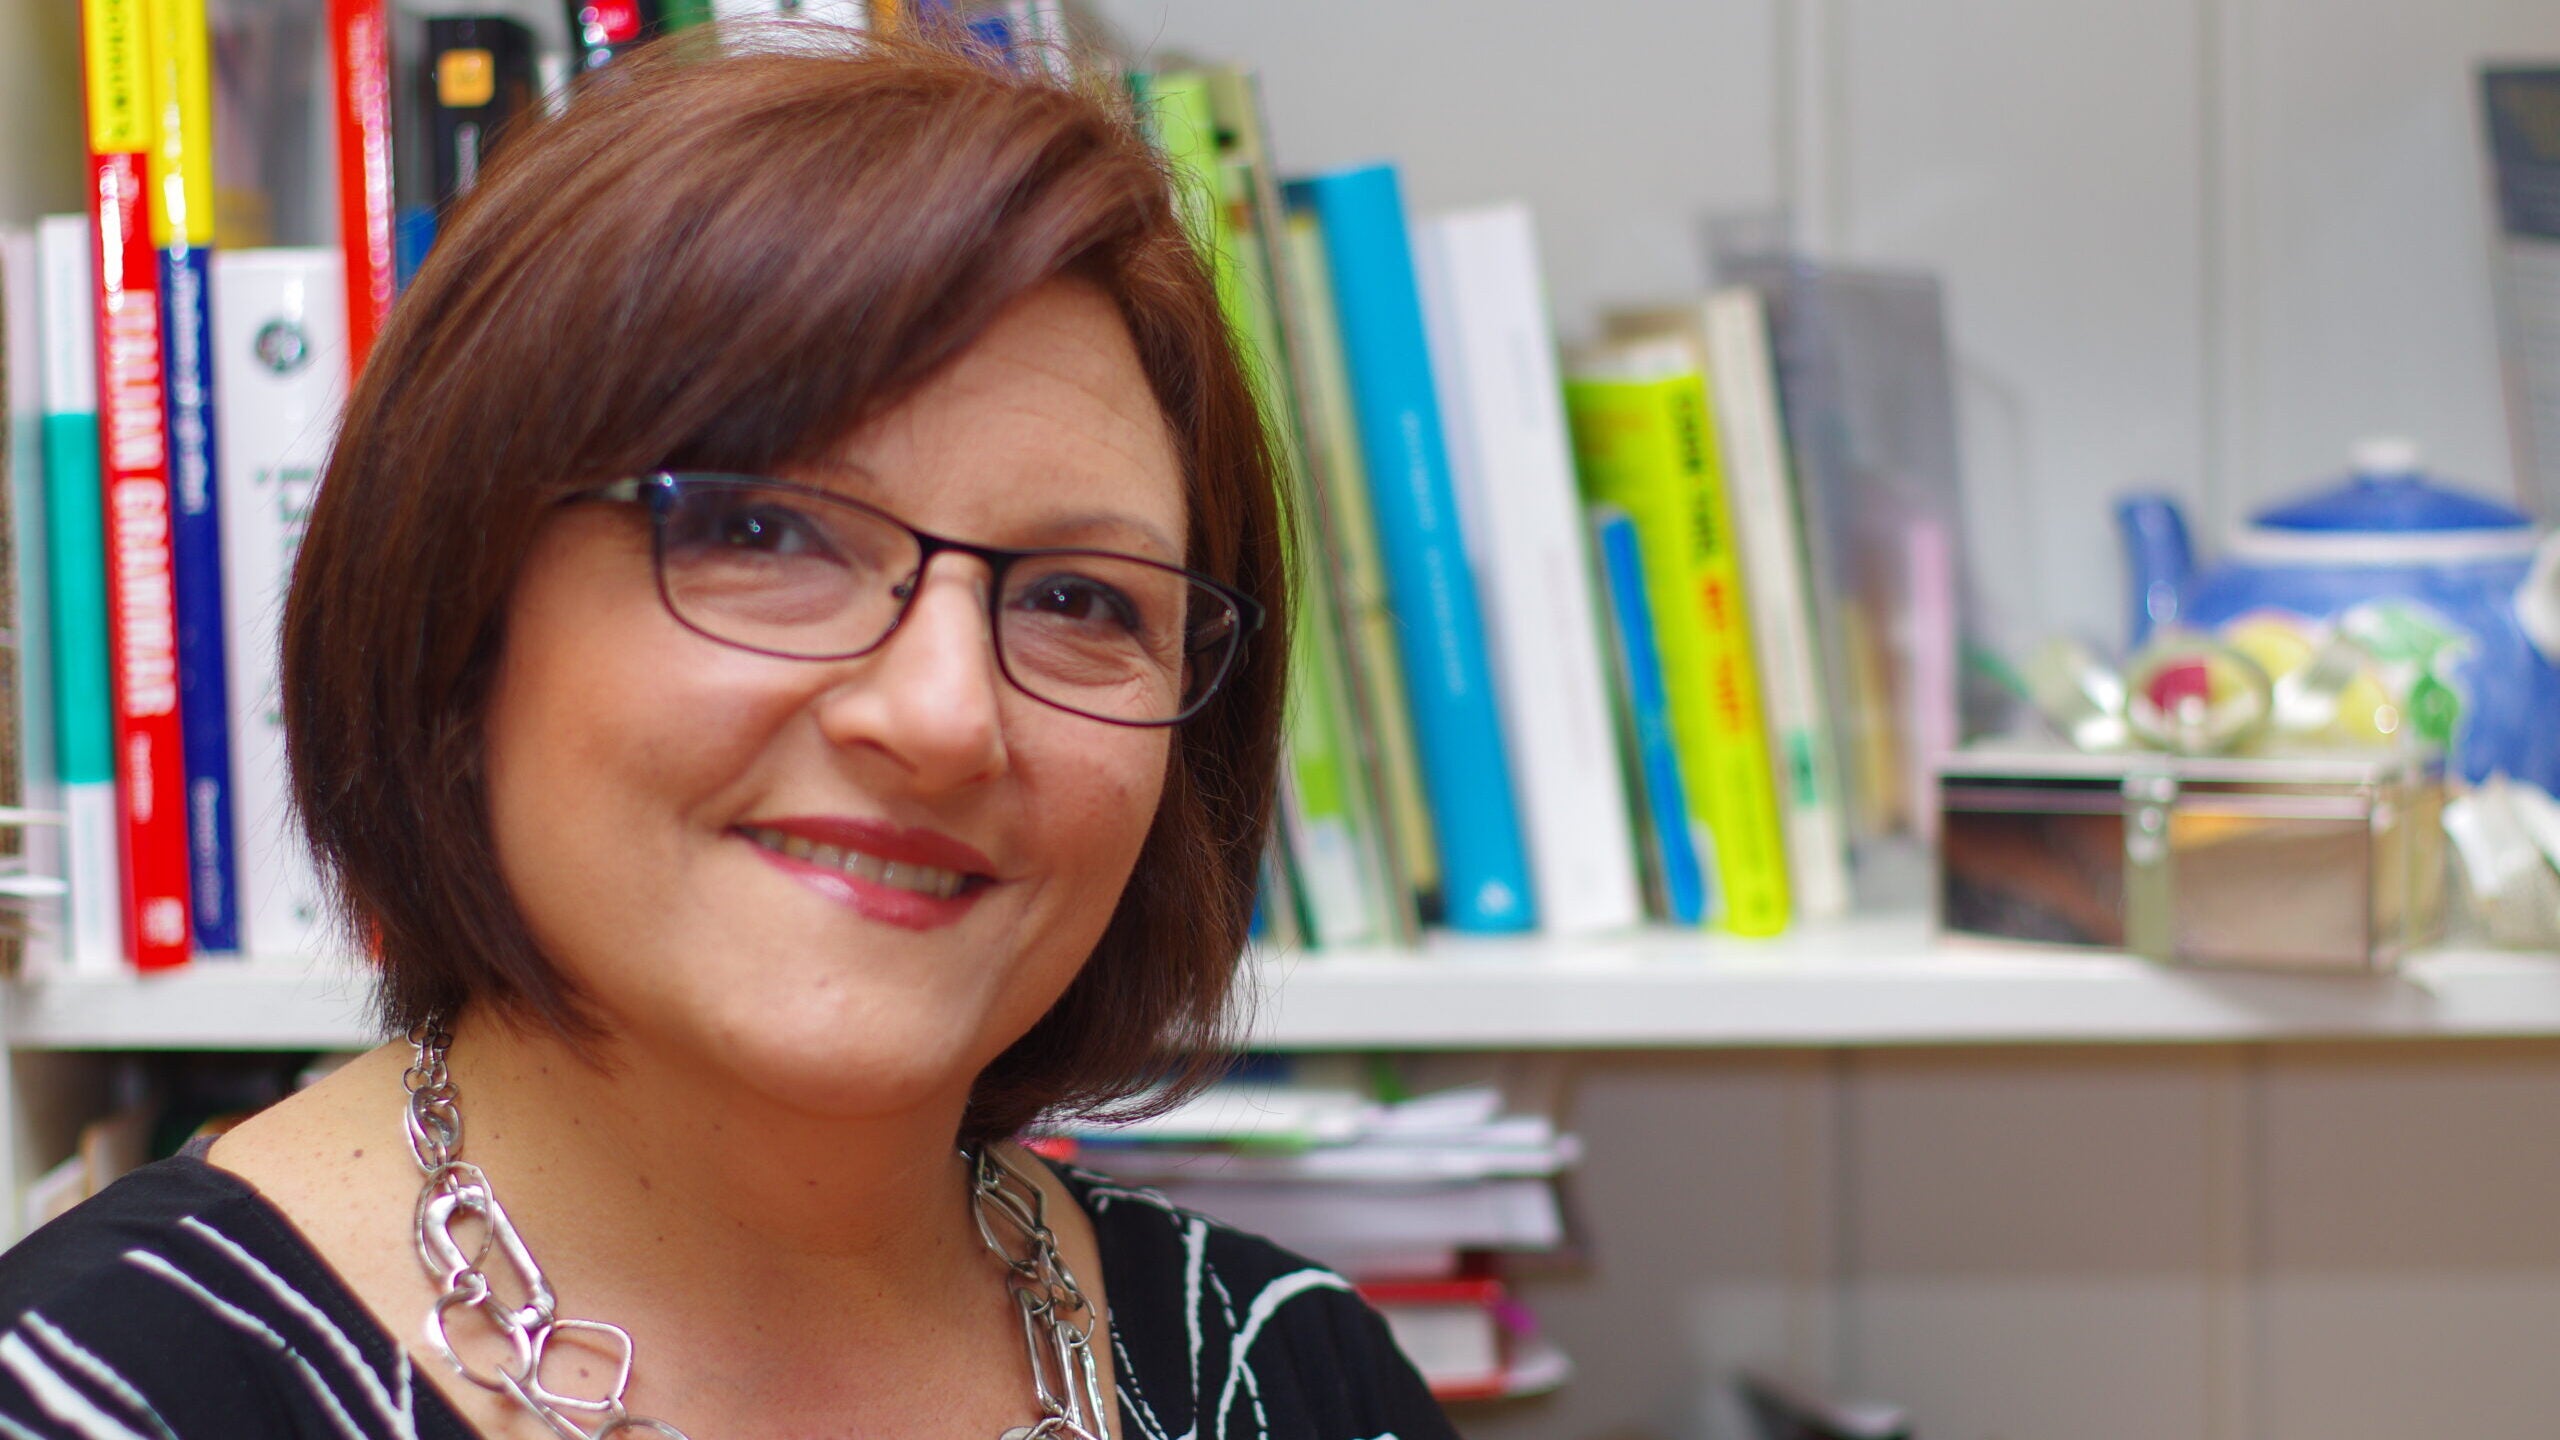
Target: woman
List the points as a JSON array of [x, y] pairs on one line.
[[772, 671]]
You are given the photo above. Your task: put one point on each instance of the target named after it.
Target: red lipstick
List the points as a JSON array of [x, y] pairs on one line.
[[898, 845]]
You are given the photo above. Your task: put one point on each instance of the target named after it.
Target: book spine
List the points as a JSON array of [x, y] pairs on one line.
[[1334, 814], [1738, 785], [1353, 572], [1465, 775], [181, 175], [279, 353], [1493, 353], [75, 545], [360, 75], [30, 768], [477, 78], [1645, 444], [1668, 840], [134, 454], [1767, 525]]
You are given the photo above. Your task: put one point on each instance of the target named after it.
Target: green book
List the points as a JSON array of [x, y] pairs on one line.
[[1209, 125], [1644, 441]]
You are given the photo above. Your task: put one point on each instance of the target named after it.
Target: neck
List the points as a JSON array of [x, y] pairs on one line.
[[632, 1175]]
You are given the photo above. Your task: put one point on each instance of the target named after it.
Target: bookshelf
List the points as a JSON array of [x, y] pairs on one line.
[[1879, 981], [2024, 1193]]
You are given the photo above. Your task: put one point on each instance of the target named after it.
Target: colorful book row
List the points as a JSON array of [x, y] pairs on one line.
[[1502, 720], [275, 350]]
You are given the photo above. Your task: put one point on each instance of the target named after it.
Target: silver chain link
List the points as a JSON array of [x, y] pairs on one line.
[[493, 1279]]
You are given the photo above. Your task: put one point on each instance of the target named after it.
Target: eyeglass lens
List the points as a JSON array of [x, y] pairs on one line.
[[1105, 635]]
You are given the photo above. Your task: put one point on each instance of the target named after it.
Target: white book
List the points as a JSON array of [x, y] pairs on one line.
[[93, 864], [280, 365], [1334, 1223], [1736, 336], [33, 877], [1511, 461]]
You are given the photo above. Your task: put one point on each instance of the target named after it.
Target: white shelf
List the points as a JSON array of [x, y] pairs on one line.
[[1879, 981]]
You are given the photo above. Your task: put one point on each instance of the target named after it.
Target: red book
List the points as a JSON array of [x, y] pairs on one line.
[[1457, 1332], [133, 444], [360, 71]]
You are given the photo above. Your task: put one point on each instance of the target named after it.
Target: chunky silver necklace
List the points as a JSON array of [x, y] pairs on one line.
[[469, 1269]]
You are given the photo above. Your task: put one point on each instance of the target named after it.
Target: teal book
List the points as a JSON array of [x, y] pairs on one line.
[[75, 544], [1466, 772]]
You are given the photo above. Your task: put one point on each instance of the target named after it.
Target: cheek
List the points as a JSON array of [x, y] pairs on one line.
[[591, 751], [1105, 802]]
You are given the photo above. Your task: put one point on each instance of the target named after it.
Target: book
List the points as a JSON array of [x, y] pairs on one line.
[[1670, 845], [279, 355], [1457, 727], [1729, 336], [1457, 1332], [1868, 395], [477, 78], [31, 861], [1744, 385], [360, 100], [141, 607], [181, 175], [1645, 439], [1345, 560], [2520, 110], [75, 546], [1209, 125], [1511, 466], [1336, 1224]]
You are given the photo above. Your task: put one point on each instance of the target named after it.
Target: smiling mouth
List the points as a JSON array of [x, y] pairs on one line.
[[896, 874]]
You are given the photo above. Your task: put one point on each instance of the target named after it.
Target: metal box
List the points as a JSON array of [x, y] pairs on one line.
[[2318, 863]]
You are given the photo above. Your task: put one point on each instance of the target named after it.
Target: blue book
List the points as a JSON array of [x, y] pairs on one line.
[[1466, 778], [195, 546], [1675, 851]]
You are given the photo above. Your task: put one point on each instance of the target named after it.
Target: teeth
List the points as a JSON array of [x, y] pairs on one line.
[[898, 875]]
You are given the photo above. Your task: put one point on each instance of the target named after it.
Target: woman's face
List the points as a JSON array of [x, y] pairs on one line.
[[657, 797]]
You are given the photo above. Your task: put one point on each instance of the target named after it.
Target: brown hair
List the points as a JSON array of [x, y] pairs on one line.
[[729, 262]]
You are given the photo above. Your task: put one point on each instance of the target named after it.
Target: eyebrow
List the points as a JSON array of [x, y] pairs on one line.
[[1106, 526], [1099, 529]]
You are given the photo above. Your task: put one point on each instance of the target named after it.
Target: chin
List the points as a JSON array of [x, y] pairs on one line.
[[847, 1068]]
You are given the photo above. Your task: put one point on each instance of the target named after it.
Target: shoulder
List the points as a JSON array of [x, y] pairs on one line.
[[1220, 1331], [178, 1302]]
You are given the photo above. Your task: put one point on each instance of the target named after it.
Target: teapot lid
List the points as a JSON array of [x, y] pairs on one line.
[[2388, 492]]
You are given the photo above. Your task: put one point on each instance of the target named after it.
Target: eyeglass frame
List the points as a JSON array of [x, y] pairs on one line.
[[656, 489]]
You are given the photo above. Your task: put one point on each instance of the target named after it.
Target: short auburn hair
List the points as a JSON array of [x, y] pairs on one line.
[[731, 262]]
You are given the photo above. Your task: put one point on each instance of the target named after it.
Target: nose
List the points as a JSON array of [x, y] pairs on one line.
[[930, 698]]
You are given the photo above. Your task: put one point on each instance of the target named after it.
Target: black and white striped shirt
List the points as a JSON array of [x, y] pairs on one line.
[[180, 1305]]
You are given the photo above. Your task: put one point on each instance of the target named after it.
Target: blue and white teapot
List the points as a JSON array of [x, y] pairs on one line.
[[2456, 593]]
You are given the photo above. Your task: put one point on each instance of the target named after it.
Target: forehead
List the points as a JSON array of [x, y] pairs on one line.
[[1043, 432]]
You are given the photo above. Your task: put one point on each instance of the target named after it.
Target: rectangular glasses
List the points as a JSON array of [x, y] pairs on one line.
[[803, 573]]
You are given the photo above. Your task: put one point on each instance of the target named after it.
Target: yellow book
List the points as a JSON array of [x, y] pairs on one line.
[[181, 152], [1644, 441]]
